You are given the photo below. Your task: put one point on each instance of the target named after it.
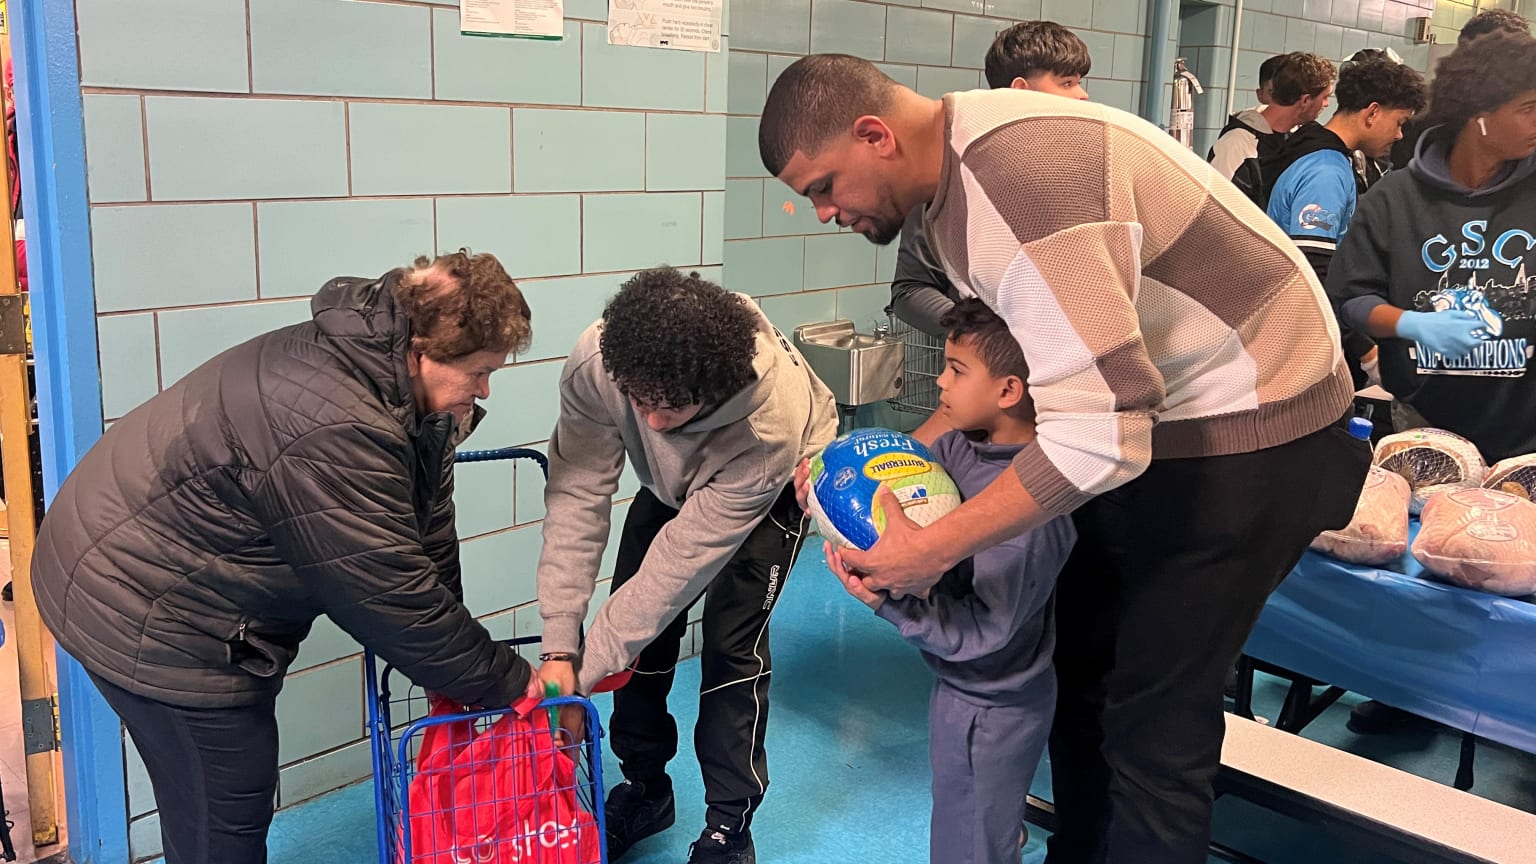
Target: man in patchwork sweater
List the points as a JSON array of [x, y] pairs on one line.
[[1191, 397]]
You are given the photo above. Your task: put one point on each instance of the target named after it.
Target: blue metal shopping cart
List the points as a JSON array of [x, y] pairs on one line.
[[401, 724]]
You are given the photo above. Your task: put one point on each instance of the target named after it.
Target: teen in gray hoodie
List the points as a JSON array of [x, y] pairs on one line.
[[713, 408]]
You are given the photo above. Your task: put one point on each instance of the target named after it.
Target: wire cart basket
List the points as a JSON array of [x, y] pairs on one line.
[[398, 726], [921, 369]]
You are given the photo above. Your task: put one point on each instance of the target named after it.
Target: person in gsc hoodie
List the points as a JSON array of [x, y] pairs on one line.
[[1437, 263], [713, 408]]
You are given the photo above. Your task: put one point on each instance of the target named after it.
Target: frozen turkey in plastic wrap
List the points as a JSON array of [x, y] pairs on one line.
[[1378, 534], [1480, 539], [1431, 460], [1515, 475]]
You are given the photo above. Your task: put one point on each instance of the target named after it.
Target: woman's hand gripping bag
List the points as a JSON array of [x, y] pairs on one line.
[[1378, 533], [504, 795], [1480, 539], [847, 473]]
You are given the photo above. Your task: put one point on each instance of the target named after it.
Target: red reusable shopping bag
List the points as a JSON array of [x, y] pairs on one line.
[[504, 795]]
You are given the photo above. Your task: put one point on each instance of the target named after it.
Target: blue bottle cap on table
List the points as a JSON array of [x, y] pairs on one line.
[[1361, 428]]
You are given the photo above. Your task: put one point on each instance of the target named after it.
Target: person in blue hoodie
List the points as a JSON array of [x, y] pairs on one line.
[[986, 629], [1313, 186], [1437, 262]]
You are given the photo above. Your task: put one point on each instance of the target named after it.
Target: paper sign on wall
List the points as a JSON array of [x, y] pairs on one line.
[[527, 19], [682, 25]]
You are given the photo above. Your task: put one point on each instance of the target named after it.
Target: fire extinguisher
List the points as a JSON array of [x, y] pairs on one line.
[[1185, 87]]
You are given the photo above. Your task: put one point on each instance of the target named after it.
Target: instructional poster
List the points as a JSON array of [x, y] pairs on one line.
[[527, 19], [683, 25]]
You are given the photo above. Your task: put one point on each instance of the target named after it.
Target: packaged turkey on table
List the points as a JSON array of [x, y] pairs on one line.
[[1431, 460], [1515, 475], [1378, 534], [1480, 539]]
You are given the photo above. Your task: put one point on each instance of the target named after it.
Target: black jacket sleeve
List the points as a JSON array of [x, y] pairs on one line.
[[337, 505], [1354, 340], [920, 292], [1358, 277], [442, 540]]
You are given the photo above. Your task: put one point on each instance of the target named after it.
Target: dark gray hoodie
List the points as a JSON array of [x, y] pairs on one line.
[[723, 470], [1421, 241]]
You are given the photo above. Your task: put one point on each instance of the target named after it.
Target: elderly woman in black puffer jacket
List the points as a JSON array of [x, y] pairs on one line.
[[305, 472]]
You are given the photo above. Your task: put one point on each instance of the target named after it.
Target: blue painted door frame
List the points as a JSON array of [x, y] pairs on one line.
[[51, 147]]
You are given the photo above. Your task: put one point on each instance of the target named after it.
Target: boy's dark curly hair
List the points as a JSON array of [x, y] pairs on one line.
[[461, 304], [1382, 81], [1482, 75], [671, 340], [989, 336]]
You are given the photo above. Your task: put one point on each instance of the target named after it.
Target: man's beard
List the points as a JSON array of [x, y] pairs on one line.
[[882, 232]]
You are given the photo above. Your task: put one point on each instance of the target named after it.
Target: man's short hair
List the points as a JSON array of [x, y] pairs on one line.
[[816, 99], [971, 319], [1032, 48], [671, 340], [1301, 74], [1268, 68], [1382, 81], [1493, 21]]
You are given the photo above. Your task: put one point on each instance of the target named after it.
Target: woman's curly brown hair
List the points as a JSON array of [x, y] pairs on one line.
[[1480, 76], [671, 340], [461, 304]]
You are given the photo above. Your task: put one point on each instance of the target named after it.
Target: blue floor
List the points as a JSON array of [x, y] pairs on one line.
[[848, 755]]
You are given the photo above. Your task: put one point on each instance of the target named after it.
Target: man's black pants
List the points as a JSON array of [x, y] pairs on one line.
[[1166, 582], [733, 697], [214, 772]]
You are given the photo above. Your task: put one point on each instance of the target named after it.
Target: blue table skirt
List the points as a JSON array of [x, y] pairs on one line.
[[1464, 658]]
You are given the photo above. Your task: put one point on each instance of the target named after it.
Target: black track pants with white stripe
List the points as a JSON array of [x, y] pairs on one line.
[[733, 697]]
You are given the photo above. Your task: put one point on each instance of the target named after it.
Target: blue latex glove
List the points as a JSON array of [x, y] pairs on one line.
[[1452, 333]]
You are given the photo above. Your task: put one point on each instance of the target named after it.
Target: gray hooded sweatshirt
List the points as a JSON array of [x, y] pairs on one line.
[[723, 470]]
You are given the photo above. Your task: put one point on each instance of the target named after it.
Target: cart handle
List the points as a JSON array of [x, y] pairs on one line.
[[504, 453]]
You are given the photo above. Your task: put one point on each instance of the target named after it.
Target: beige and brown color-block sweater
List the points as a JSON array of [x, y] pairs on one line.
[[1161, 313]]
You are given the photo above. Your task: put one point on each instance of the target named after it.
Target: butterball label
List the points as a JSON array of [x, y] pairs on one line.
[[894, 466]]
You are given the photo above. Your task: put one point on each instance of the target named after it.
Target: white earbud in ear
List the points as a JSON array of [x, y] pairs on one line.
[[1483, 126]]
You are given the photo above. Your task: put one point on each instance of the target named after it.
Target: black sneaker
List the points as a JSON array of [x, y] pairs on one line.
[[1376, 718], [633, 816], [722, 847]]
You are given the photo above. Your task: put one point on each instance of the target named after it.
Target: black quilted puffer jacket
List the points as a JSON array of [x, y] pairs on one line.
[[187, 555]]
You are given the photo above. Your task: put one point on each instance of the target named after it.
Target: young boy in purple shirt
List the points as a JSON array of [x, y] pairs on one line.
[[986, 629]]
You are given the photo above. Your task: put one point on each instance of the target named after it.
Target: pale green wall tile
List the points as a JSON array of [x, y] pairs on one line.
[[114, 147], [532, 235], [430, 149], [578, 151], [525, 71], [630, 232], [340, 48], [302, 244]]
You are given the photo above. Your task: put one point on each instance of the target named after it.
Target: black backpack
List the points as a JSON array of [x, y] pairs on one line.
[[1248, 177]]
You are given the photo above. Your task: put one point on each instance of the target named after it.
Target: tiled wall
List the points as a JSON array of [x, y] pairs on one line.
[[241, 152], [1450, 15]]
